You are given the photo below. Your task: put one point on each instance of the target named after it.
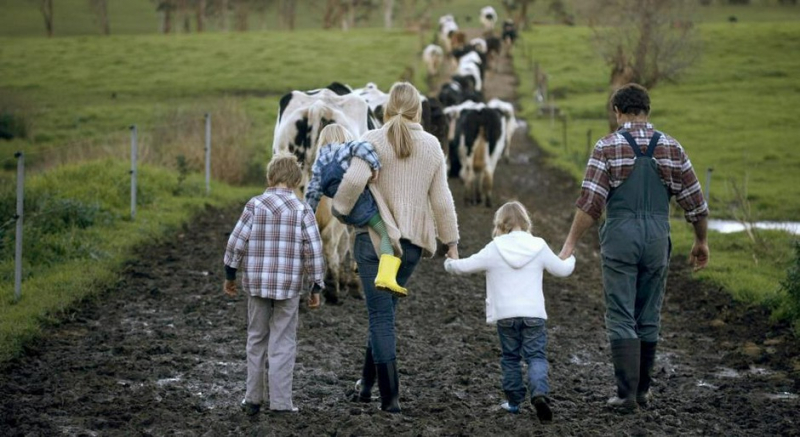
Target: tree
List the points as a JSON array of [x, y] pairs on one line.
[[643, 41], [287, 10], [388, 13], [200, 14], [518, 10], [100, 10], [46, 7]]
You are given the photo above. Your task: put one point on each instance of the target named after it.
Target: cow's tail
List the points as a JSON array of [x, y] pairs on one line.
[[480, 152]]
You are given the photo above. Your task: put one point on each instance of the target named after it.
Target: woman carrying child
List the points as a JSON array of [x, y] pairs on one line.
[[416, 206]]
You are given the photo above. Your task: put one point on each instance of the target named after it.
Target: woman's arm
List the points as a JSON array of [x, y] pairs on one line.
[[444, 209], [355, 179]]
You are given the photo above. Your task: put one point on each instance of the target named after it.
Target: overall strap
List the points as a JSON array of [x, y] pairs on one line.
[[636, 149]]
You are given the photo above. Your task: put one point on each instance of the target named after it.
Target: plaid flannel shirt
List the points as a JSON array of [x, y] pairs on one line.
[[275, 242], [612, 162], [341, 153]]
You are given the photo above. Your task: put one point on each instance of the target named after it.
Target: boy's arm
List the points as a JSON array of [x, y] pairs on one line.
[[313, 260], [237, 242], [476, 263], [235, 249], [557, 266]]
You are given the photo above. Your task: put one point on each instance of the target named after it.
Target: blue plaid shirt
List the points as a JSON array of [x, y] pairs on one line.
[[341, 153]]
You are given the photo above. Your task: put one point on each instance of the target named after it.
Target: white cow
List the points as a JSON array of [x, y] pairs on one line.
[[447, 26], [488, 18], [433, 56], [479, 44]]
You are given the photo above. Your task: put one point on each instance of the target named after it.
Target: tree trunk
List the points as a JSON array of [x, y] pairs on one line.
[[287, 12], [224, 14], [104, 17], [200, 14], [46, 7], [645, 39], [388, 13], [166, 20], [241, 13]]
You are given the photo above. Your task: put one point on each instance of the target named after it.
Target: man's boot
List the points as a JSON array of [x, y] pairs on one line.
[[387, 275], [389, 386], [648, 359], [625, 356], [367, 381]]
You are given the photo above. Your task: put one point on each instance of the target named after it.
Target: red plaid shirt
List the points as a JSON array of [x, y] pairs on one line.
[[612, 161], [275, 242]]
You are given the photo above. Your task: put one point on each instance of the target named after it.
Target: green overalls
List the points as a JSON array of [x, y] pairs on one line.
[[635, 247]]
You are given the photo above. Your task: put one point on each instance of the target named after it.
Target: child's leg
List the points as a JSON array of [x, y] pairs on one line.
[[282, 352], [511, 344], [534, 343], [259, 312], [389, 264], [376, 223]]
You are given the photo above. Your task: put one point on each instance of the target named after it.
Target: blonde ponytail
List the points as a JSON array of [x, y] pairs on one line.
[[404, 106]]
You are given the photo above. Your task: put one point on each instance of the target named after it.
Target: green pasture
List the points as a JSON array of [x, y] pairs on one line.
[[80, 95], [90, 89], [734, 112]]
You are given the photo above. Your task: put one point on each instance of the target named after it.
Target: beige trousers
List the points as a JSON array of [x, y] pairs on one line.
[[271, 336]]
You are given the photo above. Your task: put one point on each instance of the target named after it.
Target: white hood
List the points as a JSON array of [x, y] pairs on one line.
[[518, 248]]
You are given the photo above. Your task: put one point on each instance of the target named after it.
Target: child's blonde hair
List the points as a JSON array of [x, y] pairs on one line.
[[334, 133], [510, 216], [284, 169]]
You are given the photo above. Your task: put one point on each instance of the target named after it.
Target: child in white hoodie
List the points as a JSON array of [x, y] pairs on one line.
[[514, 263]]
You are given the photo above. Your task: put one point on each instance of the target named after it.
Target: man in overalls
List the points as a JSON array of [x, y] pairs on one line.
[[631, 175]]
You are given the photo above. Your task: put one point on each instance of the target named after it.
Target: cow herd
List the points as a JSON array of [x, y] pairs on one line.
[[474, 134]]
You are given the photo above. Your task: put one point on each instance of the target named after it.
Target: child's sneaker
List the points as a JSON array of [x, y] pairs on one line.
[[513, 409], [543, 411]]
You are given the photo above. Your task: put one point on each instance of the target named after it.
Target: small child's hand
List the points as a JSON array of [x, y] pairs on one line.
[[313, 301], [230, 288], [375, 175]]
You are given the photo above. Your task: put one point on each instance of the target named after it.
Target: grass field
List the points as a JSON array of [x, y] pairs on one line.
[[81, 94], [734, 112]]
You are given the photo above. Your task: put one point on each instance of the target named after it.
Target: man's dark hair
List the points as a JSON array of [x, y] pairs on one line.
[[631, 99]]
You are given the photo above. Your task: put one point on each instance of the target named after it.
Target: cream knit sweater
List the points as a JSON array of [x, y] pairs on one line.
[[412, 194]]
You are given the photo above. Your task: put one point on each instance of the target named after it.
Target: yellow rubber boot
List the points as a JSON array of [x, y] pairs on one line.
[[387, 275]]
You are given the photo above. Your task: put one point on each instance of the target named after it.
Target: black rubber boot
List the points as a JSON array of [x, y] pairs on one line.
[[389, 386], [625, 355], [367, 381], [647, 360]]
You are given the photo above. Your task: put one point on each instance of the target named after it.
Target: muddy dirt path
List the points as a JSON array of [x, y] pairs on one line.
[[163, 353]]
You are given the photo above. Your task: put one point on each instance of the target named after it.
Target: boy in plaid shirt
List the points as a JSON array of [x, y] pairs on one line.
[[275, 242]]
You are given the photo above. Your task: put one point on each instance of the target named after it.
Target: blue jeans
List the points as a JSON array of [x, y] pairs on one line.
[[523, 337], [381, 304], [365, 207]]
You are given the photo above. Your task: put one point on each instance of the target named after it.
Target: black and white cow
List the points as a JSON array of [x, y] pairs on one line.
[[479, 141], [509, 121], [301, 116]]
